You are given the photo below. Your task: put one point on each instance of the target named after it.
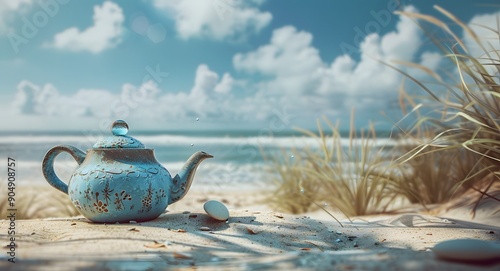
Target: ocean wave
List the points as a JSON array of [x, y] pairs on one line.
[[207, 173], [178, 140]]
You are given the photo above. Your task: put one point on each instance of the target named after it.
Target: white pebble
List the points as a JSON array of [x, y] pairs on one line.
[[467, 250], [216, 210]]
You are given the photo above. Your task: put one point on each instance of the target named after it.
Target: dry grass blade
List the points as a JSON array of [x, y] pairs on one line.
[[330, 214], [423, 68], [415, 80], [156, 244], [464, 149], [179, 255], [434, 21], [349, 178], [453, 153], [459, 22]]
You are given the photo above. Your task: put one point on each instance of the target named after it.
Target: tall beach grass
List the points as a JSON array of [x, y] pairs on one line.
[[468, 100], [352, 180], [458, 143]]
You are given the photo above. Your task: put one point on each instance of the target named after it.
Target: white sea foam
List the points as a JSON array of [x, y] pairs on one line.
[[237, 159], [208, 172], [171, 140]]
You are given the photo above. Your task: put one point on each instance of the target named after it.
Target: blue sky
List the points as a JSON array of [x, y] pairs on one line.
[[161, 64]]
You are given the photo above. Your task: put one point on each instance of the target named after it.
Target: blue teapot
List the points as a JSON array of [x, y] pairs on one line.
[[119, 180]]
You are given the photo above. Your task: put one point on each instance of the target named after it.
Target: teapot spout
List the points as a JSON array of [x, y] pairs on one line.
[[182, 181]]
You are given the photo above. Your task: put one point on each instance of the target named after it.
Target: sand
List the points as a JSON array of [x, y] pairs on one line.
[[254, 238]]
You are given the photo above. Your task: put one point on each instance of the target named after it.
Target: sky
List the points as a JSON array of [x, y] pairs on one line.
[[212, 64]]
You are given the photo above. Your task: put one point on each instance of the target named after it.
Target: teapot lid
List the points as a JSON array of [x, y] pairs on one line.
[[119, 139]]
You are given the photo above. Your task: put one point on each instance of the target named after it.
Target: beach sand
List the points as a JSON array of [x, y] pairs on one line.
[[254, 238]]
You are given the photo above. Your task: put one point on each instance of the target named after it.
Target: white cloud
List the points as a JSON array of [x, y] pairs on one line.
[[289, 58], [226, 84], [486, 27], [369, 78], [105, 33], [281, 55], [209, 96], [8, 8], [46, 100], [205, 80], [215, 19], [298, 73], [287, 75], [295, 78], [7, 5], [431, 60]]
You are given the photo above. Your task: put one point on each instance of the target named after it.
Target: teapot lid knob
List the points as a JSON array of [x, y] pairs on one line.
[[119, 139], [119, 128]]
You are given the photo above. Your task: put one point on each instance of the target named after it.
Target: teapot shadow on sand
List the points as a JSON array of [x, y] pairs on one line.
[[120, 180]]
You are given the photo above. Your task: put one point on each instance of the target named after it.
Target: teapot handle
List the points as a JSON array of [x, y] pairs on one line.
[[48, 165]]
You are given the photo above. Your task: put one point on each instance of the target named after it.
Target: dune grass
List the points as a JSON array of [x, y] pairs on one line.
[[457, 151], [352, 180], [294, 192], [468, 99], [436, 174]]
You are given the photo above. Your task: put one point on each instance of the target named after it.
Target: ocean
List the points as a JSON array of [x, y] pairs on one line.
[[238, 155]]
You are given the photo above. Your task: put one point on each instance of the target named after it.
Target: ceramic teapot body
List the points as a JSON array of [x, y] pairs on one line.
[[120, 184]]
